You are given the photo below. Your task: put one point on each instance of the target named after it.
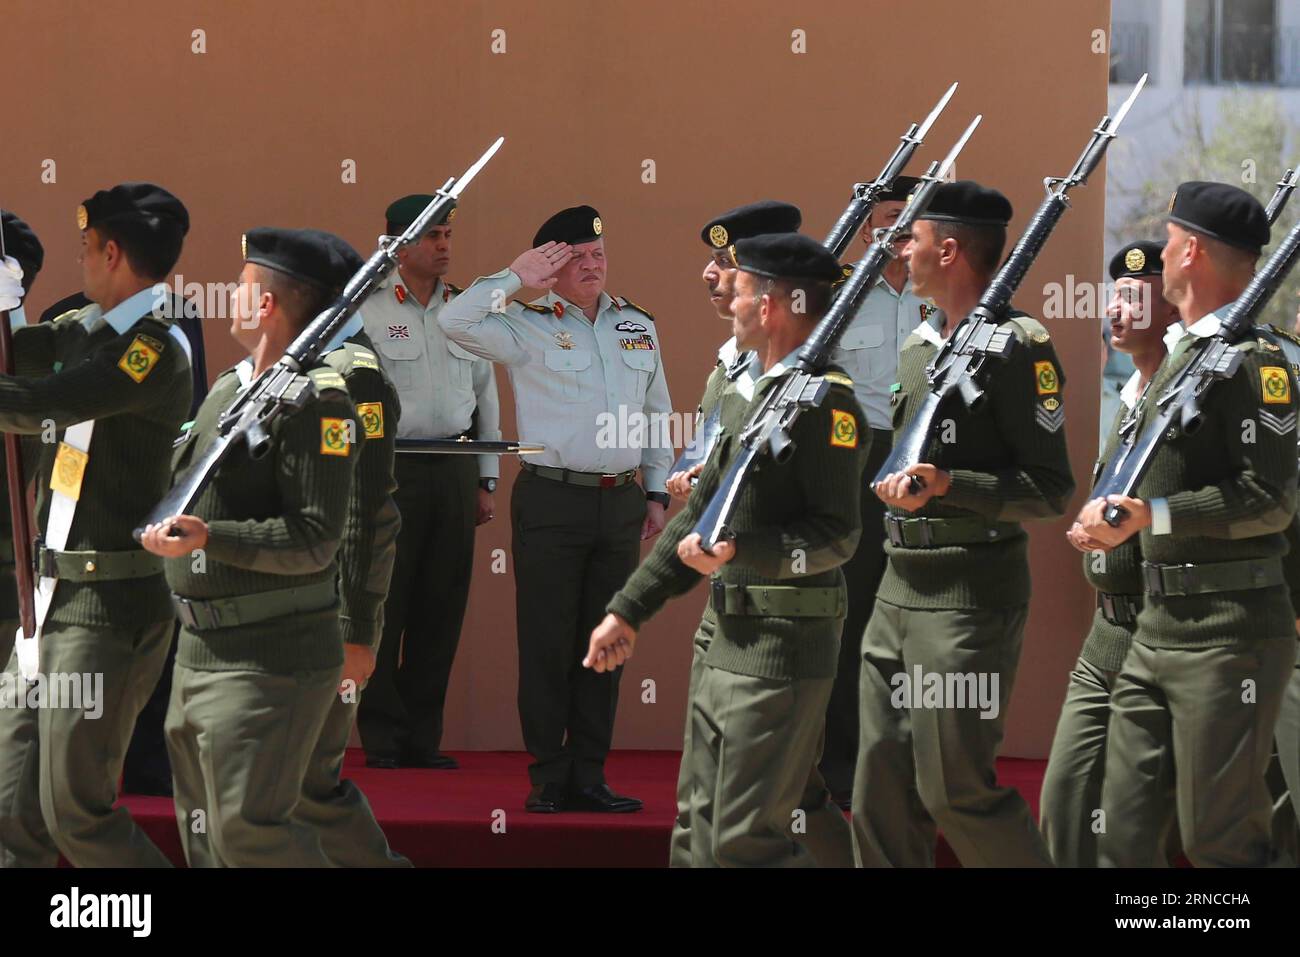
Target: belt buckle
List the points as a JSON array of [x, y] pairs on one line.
[[185, 611], [927, 532], [1153, 579], [894, 529], [607, 481], [718, 595]]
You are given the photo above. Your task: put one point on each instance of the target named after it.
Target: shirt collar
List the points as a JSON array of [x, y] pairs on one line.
[[127, 312], [779, 369], [603, 303], [1130, 393], [929, 334], [1202, 328]]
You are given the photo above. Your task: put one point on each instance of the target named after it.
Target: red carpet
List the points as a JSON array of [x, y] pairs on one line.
[[445, 818]]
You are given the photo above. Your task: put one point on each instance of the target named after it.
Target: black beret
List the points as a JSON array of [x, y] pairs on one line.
[[402, 212], [966, 201], [347, 261], [1222, 212], [753, 219], [308, 255], [21, 243], [786, 256], [903, 187], [144, 202], [577, 224], [1141, 258]]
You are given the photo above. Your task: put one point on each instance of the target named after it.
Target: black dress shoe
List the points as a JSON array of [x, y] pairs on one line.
[[546, 799], [382, 761], [601, 799], [429, 759]]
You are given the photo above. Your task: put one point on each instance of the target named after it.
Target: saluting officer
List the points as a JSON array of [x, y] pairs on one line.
[[955, 593], [868, 353], [777, 595], [1195, 704], [1140, 318], [113, 379], [586, 368], [349, 834], [446, 392], [23, 258], [253, 573]]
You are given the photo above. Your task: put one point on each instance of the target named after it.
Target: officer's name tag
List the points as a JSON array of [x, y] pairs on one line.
[[69, 470]]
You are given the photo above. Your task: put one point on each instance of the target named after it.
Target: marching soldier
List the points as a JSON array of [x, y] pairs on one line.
[[826, 834], [445, 392], [252, 572], [349, 834], [1071, 797], [1196, 701], [114, 381], [868, 353], [759, 704], [586, 367], [23, 253], [955, 593]]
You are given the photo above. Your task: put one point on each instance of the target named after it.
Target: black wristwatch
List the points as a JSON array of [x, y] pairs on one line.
[[660, 497], [488, 485]]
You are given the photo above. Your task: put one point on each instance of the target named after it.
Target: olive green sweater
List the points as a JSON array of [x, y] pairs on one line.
[[369, 544], [795, 524], [1008, 463], [69, 375], [273, 523], [1231, 493]]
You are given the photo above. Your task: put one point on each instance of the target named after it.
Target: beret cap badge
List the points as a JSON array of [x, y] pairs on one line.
[[83, 217], [596, 226], [718, 236], [1135, 259]]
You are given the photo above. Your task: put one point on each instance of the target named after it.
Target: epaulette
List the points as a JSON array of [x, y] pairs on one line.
[[623, 300], [449, 290], [1284, 333], [324, 379], [533, 307], [1268, 345], [70, 314], [845, 273], [838, 378], [349, 357], [1030, 328]]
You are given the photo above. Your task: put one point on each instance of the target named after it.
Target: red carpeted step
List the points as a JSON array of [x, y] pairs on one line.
[[475, 817]]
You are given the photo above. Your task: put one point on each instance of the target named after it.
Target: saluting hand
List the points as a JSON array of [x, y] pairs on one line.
[[691, 551], [611, 644], [175, 536], [896, 488], [536, 268]]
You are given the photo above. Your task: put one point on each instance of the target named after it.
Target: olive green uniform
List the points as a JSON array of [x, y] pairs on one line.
[[257, 667], [110, 614], [953, 604], [759, 699], [1195, 704], [349, 834], [824, 830]]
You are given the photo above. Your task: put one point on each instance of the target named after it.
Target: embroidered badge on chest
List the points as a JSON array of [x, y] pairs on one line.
[[564, 339], [639, 343], [627, 325], [399, 332]]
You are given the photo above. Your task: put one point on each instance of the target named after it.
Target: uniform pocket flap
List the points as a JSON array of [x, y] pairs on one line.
[[399, 348], [567, 360], [641, 359], [863, 337]]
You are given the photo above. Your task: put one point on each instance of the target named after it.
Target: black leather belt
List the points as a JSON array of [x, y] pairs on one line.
[[938, 532], [1209, 577]]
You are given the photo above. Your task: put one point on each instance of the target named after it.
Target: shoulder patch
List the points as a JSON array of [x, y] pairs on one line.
[[335, 436], [844, 429], [1046, 379], [372, 418], [1275, 385], [641, 309], [140, 357]]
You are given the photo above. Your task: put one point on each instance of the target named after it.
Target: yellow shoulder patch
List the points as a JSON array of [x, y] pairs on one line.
[[140, 357], [844, 429], [1045, 378], [335, 437], [1275, 385], [372, 418]]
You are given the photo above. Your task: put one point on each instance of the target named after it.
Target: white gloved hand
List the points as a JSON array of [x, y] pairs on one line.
[[11, 284]]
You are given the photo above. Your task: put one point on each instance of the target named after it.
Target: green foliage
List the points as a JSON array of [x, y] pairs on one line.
[[1251, 146]]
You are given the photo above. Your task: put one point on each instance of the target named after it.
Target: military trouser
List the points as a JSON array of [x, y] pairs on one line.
[[337, 810], [66, 756], [862, 574], [402, 709], [919, 764], [755, 741], [1285, 775], [146, 766], [1193, 729], [240, 743], [573, 548], [679, 848]]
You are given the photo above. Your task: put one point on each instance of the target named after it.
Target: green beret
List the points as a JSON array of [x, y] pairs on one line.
[[786, 256], [966, 201], [577, 224], [1138, 259], [754, 219], [143, 202], [1226, 213], [402, 212]]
